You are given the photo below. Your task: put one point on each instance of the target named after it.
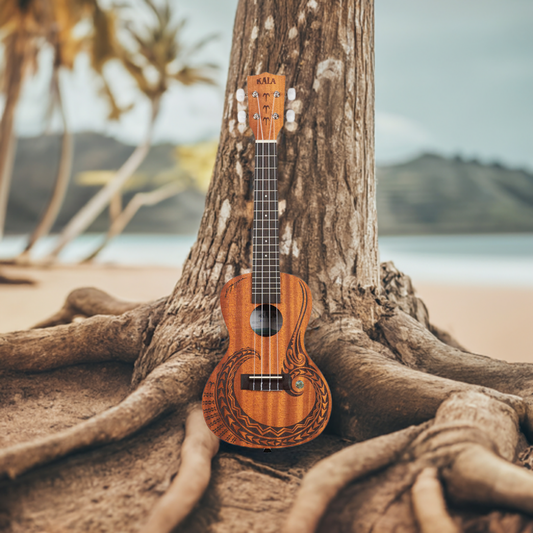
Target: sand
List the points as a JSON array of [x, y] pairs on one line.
[[494, 321], [21, 306]]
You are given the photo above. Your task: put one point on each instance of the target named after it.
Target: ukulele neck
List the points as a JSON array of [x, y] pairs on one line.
[[265, 233]]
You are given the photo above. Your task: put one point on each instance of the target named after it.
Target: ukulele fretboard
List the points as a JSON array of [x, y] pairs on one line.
[[265, 234]]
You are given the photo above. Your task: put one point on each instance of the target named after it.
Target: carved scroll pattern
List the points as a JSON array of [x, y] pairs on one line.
[[239, 428]]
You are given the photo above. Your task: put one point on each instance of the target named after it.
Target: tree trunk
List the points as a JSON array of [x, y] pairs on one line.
[[326, 157], [86, 216], [15, 59], [62, 180], [424, 436]]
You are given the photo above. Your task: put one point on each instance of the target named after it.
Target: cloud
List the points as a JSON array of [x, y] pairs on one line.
[[398, 137]]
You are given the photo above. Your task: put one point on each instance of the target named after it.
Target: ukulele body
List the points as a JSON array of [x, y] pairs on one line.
[[266, 392]]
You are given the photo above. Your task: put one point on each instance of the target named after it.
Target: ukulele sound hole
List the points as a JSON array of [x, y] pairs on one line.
[[266, 320]]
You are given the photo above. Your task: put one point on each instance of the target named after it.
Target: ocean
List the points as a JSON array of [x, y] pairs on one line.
[[493, 260]]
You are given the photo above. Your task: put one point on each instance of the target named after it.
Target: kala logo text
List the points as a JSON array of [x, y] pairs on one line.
[[266, 81]]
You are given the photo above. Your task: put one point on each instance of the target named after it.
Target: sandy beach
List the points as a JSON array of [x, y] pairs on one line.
[[493, 321]]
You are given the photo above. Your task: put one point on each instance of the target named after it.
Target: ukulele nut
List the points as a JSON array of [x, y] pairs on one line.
[[299, 384]]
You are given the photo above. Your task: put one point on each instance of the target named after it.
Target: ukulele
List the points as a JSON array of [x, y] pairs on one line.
[[266, 392]]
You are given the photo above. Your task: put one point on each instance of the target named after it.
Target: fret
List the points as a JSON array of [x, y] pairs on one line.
[[265, 233]]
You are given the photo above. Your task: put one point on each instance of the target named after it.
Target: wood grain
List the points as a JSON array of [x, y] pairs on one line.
[[266, 418]]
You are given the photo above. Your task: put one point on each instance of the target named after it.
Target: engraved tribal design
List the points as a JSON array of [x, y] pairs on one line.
[[228, 419]]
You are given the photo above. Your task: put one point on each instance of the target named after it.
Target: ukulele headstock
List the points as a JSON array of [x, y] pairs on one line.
[[266, 105]]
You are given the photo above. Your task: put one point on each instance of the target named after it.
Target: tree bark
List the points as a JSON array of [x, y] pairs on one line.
[[326, 157]]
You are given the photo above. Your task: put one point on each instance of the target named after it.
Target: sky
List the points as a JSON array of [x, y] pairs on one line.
[[452, 76]]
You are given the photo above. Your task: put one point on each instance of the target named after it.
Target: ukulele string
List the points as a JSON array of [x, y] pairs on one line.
[[276, 257], [269, 273], [262, 227], [255, 243], [270, 190]]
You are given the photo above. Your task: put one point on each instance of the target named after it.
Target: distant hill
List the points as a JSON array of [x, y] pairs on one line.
[[430, 194], [434, 194], [36, 165]]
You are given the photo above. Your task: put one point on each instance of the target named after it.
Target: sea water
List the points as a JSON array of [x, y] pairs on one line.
[[496, 260]]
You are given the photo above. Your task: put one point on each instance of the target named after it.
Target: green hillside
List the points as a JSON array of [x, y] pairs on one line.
[[430, 194], [433, 194]]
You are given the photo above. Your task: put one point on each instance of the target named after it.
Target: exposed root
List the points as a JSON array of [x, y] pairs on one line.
[[398, 289], [429, 506], [473, 441], [199, 447], [97, 339], [323, 482], [156, 395], [417, 348], [446, 338], [86, 302], [374, 394], [466, 424], [7, 280], [479, 476]]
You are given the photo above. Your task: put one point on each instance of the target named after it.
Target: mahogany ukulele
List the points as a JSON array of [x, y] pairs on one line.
[[266, 392]]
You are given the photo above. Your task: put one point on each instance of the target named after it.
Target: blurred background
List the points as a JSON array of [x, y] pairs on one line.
[[111, 118]]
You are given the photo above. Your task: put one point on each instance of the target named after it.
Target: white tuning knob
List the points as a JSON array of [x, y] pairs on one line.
[[240, 95], [241, 117], [291, 94], [290, 115]]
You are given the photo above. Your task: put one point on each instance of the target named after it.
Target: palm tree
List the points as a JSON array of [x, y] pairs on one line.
[[158, 48], [101, 44], [22, 31]]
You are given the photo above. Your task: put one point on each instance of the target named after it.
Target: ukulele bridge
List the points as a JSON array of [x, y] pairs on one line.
[[265, 382]]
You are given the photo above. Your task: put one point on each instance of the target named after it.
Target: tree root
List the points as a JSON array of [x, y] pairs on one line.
[[428, 504], [97, 339], [417, 348], [323, 482], [84, 303], [405, 379], [199, 447], [470, 443], [375, 394], [399, 292], [160, 392], [7, 280]]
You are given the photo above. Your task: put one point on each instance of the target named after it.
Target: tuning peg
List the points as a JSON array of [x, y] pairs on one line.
[[290, 115], [241, 117], [240, 95], [291, 94]]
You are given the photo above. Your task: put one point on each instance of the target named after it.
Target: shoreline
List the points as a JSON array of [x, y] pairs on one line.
[[490, 320]]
